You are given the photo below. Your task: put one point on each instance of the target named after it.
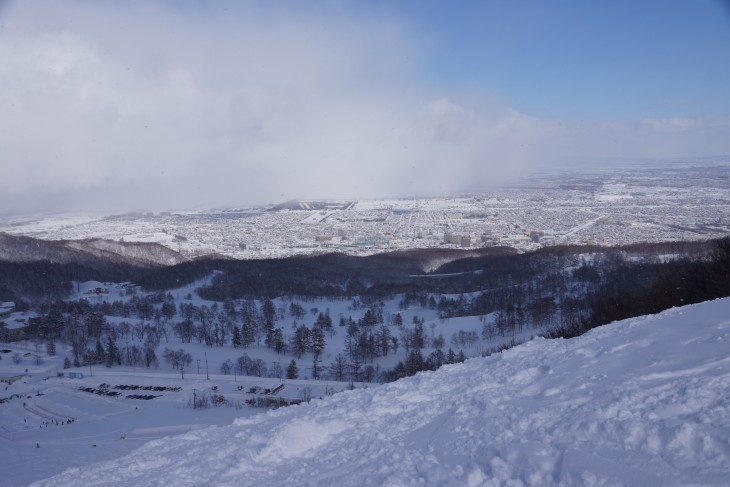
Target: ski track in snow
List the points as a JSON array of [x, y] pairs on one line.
[[639, 402]]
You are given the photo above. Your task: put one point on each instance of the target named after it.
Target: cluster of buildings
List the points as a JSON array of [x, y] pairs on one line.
[[615, 208], [12, 323]]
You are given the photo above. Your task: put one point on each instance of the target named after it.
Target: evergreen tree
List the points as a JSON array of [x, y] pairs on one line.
[[300, 341], [461, 357], [168, 310], [268, 311], [362, 346], [236, 337], [278, 341], [317, 341], [352, 328], [54, 322], [324, 320], [296, 310], [51, 347], [320, 319], [435, 360], [112, 352], [66, 363], [327, 320], [292, 372], [414, 362], [316, 368], [450, 357], [99, 353], [369, 318], [150, 357], [398, 320], [383, 339], [248, 332], [373, 346], [418, 337]]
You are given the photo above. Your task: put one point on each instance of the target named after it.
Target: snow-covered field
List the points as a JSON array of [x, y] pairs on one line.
[[645, 401], [37, 440]]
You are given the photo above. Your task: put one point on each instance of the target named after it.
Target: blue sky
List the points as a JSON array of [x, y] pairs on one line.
[[172, 104], [616, 60]]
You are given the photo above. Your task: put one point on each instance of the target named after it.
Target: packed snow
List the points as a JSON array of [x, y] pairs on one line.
[[644, 401]]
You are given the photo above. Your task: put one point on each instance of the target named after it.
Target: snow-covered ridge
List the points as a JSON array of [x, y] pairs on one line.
[[644, 402], [143, 252], [27, 249]]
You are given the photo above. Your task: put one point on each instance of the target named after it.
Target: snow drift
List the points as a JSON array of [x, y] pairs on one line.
[[639, 402]]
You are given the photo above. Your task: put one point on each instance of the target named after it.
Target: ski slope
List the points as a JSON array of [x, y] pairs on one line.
[[643, 402]]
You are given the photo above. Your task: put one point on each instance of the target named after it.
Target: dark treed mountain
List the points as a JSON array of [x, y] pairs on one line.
[[611, 283]]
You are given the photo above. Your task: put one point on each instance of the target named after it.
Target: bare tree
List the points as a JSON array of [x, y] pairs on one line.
[[338, 368], [37, 354], [306, 394], [227, 367]]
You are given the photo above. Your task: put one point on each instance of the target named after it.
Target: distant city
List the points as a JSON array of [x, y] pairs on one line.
[[674, 202]]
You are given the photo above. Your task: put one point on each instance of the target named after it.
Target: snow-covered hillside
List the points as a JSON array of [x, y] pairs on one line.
[[640, 402]]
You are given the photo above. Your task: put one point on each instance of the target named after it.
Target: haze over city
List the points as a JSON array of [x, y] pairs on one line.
[[112, 106]]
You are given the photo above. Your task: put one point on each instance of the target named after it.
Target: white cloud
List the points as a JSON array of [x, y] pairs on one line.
[[133, 105], [672, 124]]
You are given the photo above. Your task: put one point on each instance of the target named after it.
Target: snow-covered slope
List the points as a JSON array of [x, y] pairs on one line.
[[92, 251], [640, 402], [141, 253]]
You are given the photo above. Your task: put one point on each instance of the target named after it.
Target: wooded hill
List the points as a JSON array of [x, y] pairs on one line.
[[624, 281]]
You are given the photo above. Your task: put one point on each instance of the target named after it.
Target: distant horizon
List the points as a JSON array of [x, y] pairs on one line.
[[516, 183]]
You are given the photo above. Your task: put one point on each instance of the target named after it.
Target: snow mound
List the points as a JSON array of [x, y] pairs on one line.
[[644, 401]]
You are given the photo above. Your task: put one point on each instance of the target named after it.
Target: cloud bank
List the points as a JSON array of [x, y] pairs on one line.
[[120, 106]]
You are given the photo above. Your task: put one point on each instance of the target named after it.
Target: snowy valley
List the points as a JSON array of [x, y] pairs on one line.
[[638, 402], [242, 373]]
